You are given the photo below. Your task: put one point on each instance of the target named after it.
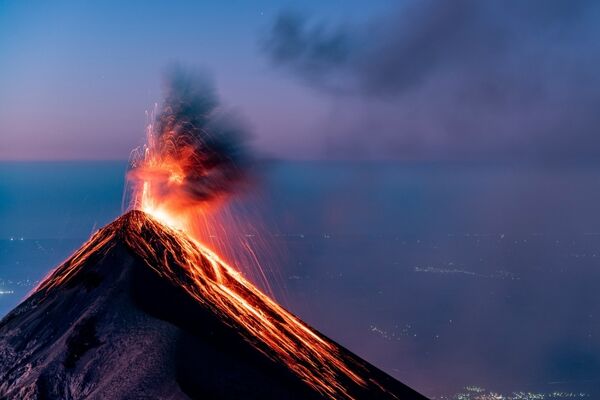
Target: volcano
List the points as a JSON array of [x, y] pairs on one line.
[[141, 311]]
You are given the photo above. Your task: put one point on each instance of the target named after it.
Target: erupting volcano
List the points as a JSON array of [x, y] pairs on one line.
[[146, 310]]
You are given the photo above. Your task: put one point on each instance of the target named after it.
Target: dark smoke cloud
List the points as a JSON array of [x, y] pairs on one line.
[[456, 79], [316, 54], [191, 121], [199, 150]]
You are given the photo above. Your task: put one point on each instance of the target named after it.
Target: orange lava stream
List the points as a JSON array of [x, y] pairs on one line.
[[222, 288], [202, 274]]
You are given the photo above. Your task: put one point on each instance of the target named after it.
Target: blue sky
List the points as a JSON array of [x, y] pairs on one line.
[[404, 80], [77, 77]]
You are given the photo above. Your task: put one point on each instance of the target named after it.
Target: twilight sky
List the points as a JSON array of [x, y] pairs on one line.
[[407, 80]]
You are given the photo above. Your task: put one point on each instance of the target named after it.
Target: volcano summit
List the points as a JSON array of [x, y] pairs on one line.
[[142, 311]]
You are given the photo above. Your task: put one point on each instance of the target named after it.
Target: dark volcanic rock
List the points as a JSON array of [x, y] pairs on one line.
[[117, 329]]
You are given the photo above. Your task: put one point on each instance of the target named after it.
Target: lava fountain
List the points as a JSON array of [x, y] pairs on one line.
[[194, 157]]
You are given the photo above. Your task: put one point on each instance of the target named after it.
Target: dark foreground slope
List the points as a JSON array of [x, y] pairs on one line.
[[110, 324]]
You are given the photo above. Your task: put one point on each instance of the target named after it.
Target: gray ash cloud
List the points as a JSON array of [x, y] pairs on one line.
[[467, 78]]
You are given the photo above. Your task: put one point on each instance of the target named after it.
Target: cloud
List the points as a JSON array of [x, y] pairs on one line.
[[454, 80], [317, 53]]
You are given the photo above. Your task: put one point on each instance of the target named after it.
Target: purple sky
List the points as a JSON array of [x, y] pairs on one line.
[[77, 77], [336, 79]]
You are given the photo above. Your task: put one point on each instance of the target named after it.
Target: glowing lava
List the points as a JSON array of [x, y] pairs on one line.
[[280, 335]]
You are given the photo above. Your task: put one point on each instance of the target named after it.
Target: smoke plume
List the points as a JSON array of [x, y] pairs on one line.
[[463, 79], [196, 152]]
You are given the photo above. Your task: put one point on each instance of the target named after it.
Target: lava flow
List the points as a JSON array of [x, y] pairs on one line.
[[218, 286]]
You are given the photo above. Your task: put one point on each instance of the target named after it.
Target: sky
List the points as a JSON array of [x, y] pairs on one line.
[[78, 77], [403, 80]]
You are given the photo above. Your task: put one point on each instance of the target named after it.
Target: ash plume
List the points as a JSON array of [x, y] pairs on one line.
[[462, 80], [196, 151]]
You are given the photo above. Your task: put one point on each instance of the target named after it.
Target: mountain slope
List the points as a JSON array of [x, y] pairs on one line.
[[142, 311]]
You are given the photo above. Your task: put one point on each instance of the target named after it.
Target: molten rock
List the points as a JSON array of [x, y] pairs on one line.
[[143, 311]]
